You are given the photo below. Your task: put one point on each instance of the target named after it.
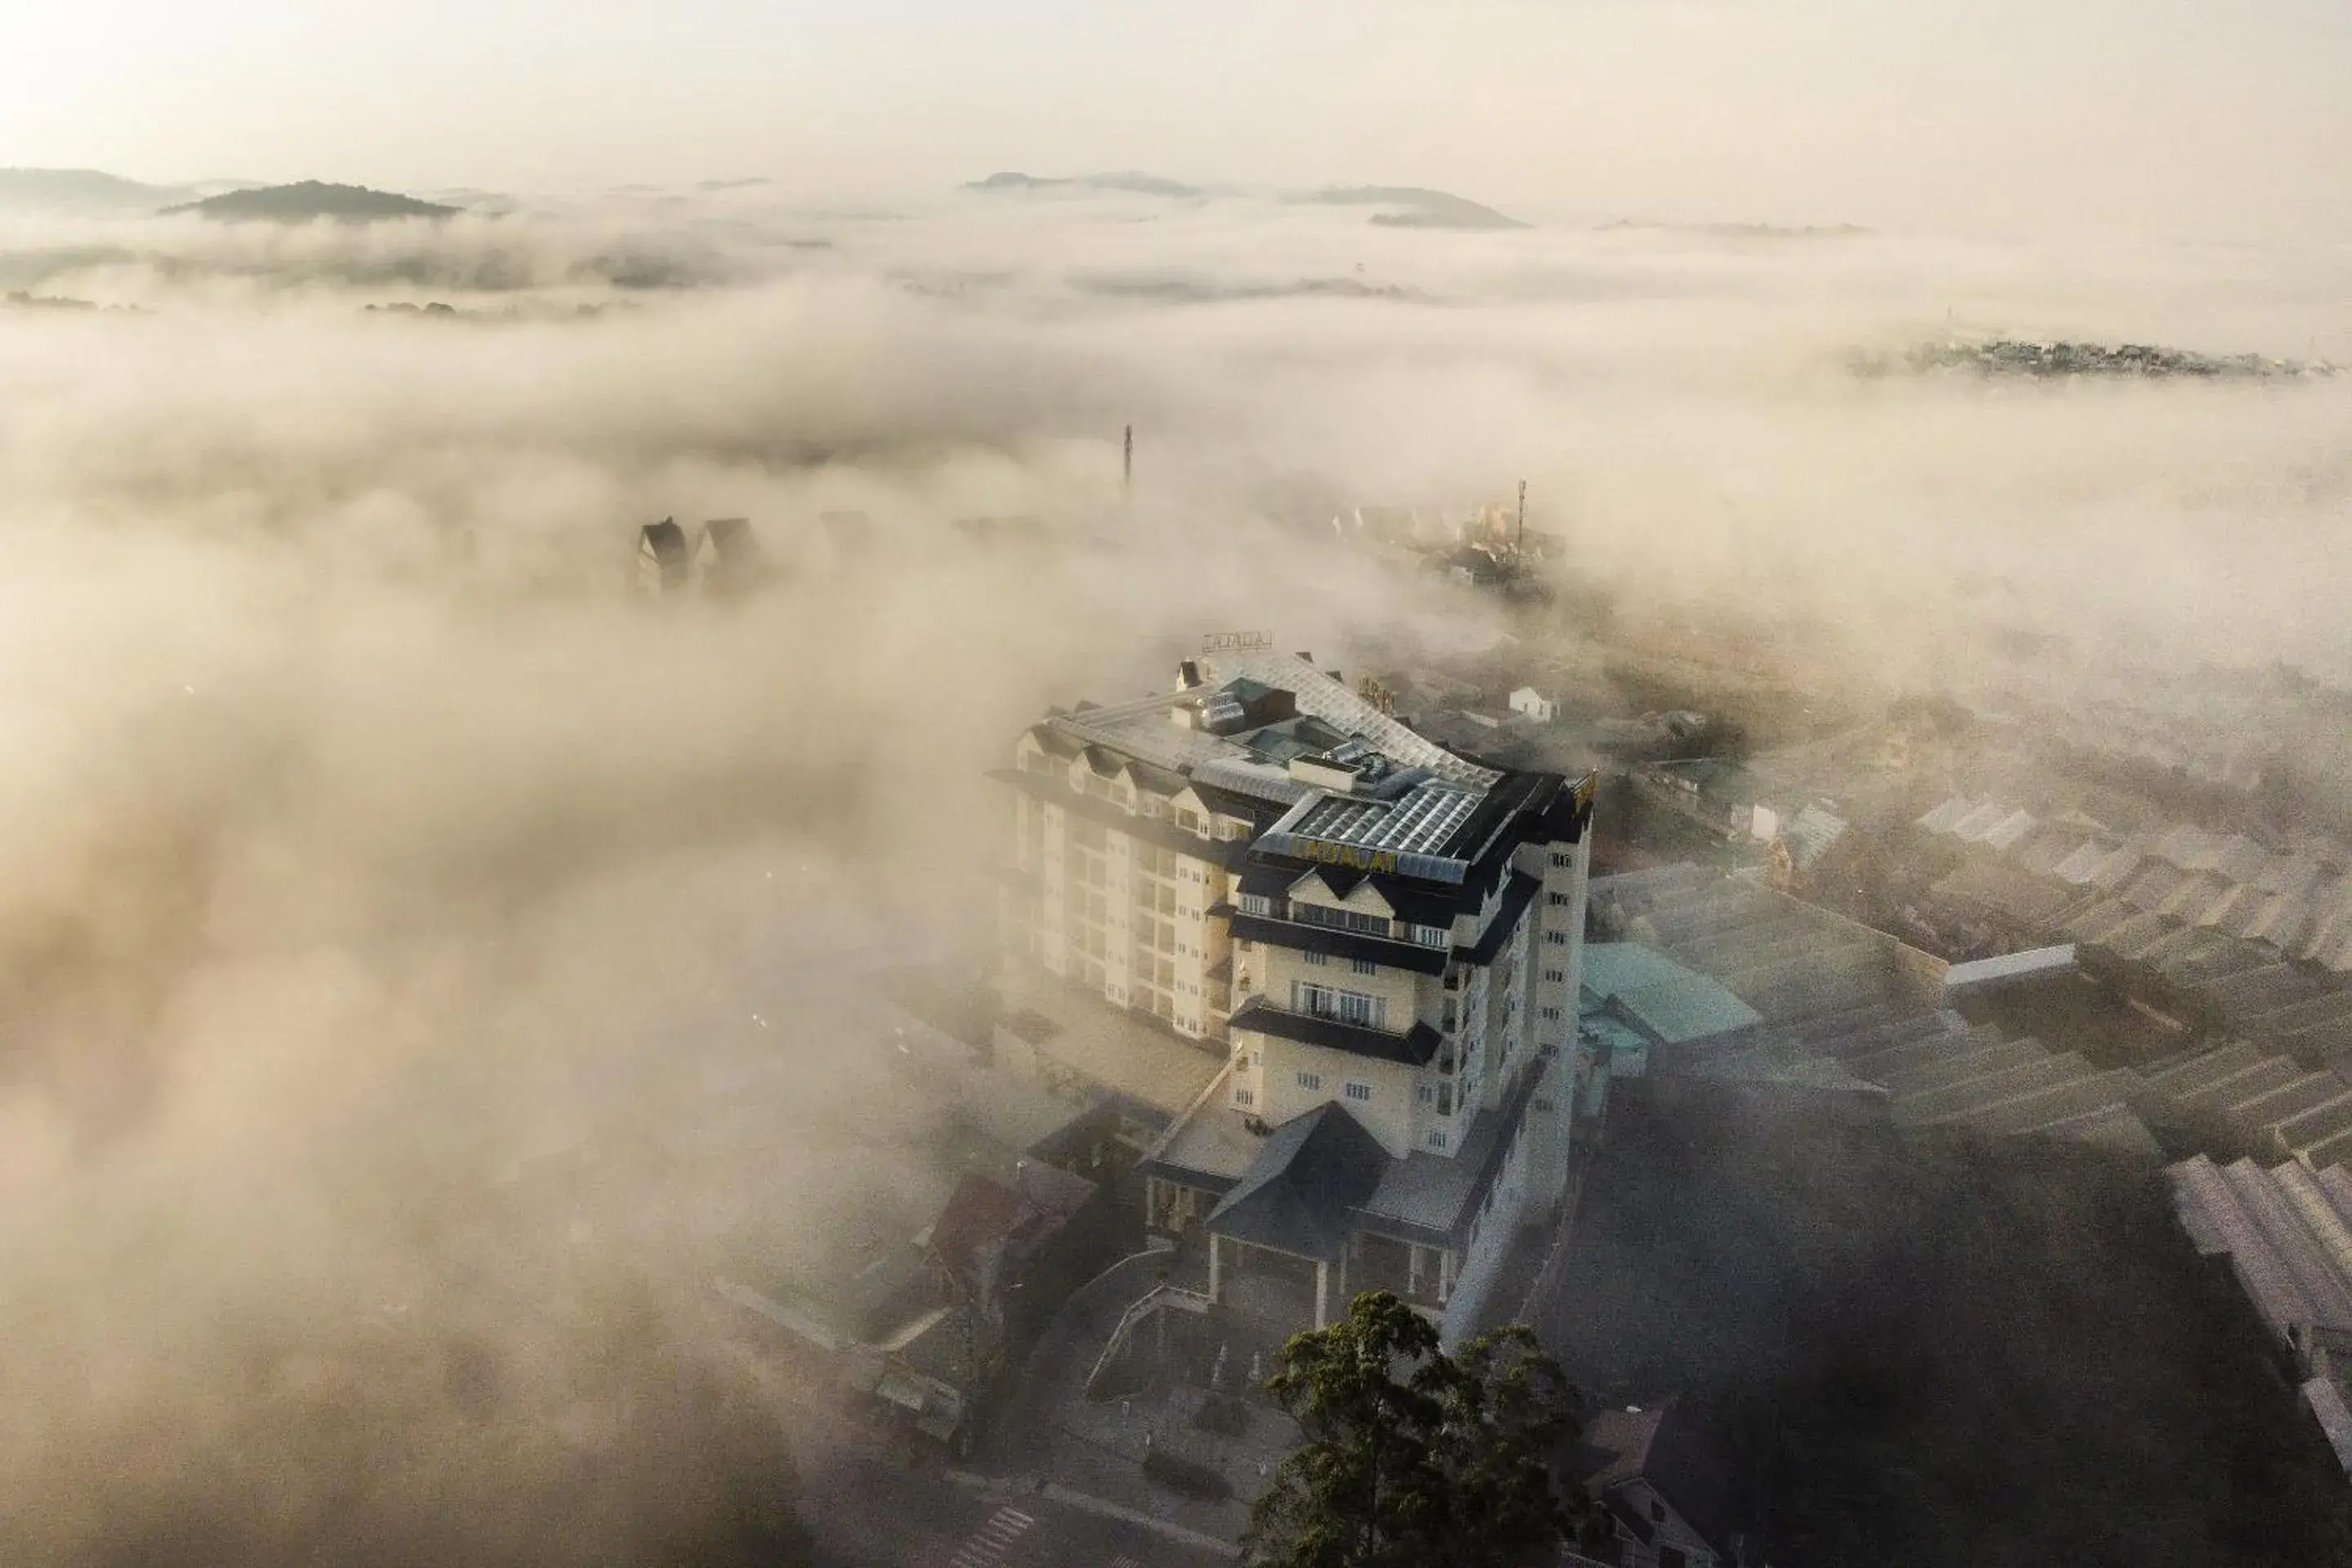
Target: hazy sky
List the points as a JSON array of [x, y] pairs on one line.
[[2138, 114]]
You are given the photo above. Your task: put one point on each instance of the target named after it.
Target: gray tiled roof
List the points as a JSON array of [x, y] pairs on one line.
[[1299, 1194]]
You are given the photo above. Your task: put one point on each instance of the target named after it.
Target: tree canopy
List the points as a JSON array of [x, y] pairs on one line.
[[1414, 1458]]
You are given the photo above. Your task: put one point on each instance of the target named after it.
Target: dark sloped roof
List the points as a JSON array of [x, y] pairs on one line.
[[1415, 1049], [1674, 1448], [1570, 812], [732, 538], [1515, 793], [1232, 803], [1419, 902], [1340, 880], [985, 1214], [666, 541], [1339, 944], [1157, 780], [1298, 1196], [1414, 901], [1516, 897]]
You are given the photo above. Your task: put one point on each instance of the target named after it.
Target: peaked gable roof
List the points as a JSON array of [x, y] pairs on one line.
[[1671, 1448], [1298, 1195]]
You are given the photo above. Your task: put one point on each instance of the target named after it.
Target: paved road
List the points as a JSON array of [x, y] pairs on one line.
[[869, 1510], [875, 1502]]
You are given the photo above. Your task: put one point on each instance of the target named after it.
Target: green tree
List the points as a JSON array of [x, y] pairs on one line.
[[1414, 1458]]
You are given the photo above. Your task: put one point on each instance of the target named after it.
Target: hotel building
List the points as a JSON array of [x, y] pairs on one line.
[[1384, 938]]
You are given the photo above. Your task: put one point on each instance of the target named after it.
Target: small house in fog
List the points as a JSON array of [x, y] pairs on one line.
[[1669, 1490], [664, 561], [727, 557], [1529, 703]]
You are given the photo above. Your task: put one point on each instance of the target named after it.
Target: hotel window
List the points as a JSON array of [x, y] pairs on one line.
[[1433, 936], [1428, 1095], [1244, 1095], [1344, 1007], [1557, 938], [1340, 920], [1563, 859], [1363, 966], [1317, 959], [1436, 1140], [1258, 904], [1312, 1082], [1360, 1092], [1558, 901], [1551, 1015], [1556, 976]]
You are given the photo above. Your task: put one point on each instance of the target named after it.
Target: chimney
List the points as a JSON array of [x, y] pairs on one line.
[[1188, 675]]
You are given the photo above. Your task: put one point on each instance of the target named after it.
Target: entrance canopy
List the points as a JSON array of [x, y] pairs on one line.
[[1299, 1196]]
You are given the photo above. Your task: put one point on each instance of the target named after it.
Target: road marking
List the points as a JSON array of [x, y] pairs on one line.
[[986, 1547]]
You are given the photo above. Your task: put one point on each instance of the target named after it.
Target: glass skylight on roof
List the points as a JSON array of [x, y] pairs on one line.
[[1417, 824]]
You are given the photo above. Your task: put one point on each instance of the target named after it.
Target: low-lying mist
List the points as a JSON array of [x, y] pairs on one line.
[[358, 819]]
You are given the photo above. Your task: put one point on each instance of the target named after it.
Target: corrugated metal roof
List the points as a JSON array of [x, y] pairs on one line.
[[2294, 875], [2010, 830], [1675, 1003], [2116, 870], [2152, 887], [1972, 828], [2189, 846], [2050, 849], [2079, 866], [2241, 859], [1947, 816]]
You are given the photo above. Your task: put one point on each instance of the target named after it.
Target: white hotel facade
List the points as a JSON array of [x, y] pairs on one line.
[[1385, 939]]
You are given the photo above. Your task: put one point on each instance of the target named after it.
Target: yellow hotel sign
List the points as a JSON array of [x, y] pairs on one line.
[[1350, 855]]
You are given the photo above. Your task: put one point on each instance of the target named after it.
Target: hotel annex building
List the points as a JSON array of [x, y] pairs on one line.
[[1386, 939]]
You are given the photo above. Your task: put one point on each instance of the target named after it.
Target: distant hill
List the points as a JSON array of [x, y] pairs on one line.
[[2066, 361], [81, 190], [1411, 207], [1738, 230], [1405, 206], [1178, 290], [1131, 183], [313, 199]]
